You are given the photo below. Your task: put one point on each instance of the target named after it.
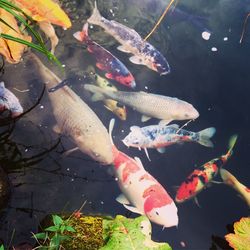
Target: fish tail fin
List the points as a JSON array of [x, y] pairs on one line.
[[231, 144], [99, 93], [205, 135], [96, 16], [82, 35]]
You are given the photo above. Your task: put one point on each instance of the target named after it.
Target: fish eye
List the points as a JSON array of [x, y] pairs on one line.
[[157, 213], [186, 115]]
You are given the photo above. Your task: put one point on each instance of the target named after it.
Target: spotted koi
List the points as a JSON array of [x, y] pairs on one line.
[[202, 176]]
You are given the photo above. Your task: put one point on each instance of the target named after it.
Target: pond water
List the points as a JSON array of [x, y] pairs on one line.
[[215, 82]]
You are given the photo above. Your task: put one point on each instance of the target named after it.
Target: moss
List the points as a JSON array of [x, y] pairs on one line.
[[88, 234]]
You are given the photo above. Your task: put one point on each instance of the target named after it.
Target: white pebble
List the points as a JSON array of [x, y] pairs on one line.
[[206, 35]]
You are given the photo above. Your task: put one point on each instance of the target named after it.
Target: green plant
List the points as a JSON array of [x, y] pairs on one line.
[[2, 247], [53, 236], [21, 17]]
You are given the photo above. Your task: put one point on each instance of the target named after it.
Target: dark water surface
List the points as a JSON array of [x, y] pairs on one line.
[[215, 82]]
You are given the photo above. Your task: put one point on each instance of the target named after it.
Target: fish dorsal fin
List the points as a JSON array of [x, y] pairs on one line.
[[132, 209], [135, 128], [122, 199], [138, 161], [145, 118], [2, 84], [166, 122]]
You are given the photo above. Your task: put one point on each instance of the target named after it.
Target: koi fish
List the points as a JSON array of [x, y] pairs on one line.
[[11, 50], [231, 181], [142, 193], [75, 118], [131, 42], [150, 105], [112, 105], [46, 13], [8, 101], [107, 62], [159, 137], [202, 176]]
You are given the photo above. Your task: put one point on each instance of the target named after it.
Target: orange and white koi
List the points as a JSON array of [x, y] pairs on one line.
[[142, 193], [231, 181], [202, 176]]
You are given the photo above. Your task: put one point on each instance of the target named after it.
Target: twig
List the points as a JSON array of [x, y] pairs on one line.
[[244, 27], [159, 21]]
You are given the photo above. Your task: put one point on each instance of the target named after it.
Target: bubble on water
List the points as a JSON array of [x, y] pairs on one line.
[[91, 26], [63, 65], [225, 38], [41, 106], [68, 169], [214, 49], [116, 179], [206, 35], [122, 131], [26, 150], [146, 87], [72, 179], [102, 202]]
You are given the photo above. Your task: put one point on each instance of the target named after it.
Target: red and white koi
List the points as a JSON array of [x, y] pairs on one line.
[[202, 176], [231, 181], [142, 193], [131, 42], [8, 101], [159, 137]]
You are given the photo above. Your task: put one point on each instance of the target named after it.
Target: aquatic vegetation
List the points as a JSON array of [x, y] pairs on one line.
[[103, 233], [240, 240], [123, 233], [1, 247], [54, 235]]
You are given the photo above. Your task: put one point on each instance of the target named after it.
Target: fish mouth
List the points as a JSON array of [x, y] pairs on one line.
[[165, 73]]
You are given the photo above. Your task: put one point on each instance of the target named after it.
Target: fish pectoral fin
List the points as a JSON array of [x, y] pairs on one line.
[[161, 150], [109, 76], [217, 182], [132, 209], [136, 60], [68, 152], [138, 160], [57, 130], [197, 202], [145, 118], [123, 49], [97, 97], [122, 199], [166, 122], [146, 152]]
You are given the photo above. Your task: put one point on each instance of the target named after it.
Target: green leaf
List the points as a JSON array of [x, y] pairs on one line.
[[129, 234], [70, 229], [52, 229], [40, 236], [57, 220], [240, 240], [1, 247], [62, 228], [63, 237], [55, 241]]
